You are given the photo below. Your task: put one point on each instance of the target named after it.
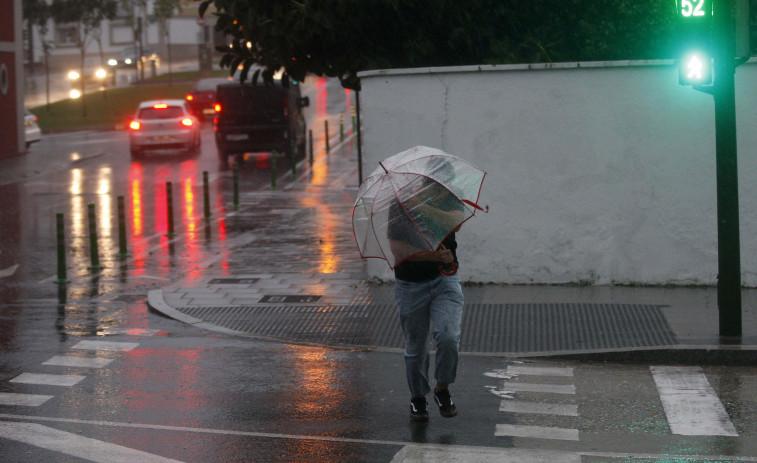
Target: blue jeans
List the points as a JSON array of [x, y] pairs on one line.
[[421, 304]]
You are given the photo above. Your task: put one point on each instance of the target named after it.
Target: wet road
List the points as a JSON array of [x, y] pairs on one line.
[[89, 374]]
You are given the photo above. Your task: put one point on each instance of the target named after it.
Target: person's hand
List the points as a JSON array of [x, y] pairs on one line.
[[444, 256], [413, 202]]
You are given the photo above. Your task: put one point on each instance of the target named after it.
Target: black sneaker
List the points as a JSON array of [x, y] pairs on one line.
[[444, 401], [418, 409]]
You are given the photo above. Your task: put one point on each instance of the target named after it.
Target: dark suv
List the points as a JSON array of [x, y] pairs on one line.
[[254, 118]]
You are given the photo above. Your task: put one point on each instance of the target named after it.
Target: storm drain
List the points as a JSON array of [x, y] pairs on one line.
[[487, 328]]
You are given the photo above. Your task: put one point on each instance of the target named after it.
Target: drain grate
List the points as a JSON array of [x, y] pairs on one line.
[[487, 328], [233, 281]]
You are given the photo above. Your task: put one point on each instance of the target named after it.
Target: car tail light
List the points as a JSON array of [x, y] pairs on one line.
[[190, 97], [135, 125], [186, 122], [160, 106], [217, 107]]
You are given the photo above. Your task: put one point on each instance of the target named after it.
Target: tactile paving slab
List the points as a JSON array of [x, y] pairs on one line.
[[487, 328]]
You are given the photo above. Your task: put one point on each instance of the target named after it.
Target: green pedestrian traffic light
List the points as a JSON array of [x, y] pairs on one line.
[[695, 42], [695, 68]]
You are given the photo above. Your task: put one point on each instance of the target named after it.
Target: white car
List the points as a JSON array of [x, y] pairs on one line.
[[31, 129], [163, 124]]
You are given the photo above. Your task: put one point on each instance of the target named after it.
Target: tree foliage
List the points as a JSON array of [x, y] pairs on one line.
[[339, 38], [36, 12]]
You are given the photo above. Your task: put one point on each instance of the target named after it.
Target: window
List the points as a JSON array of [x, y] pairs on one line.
[[67, 35]]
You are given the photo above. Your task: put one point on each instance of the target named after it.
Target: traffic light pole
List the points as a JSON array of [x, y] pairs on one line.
[[729, 247]]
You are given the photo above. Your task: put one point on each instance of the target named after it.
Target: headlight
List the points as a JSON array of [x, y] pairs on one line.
[[73, 75], [112, 62], [100, 73]]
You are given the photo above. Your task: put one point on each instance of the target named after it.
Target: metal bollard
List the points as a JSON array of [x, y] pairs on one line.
[[236, 185], [273, 170], [169, 209], [326, 129], [341, 126], [93, 254], [60, 235], [310, 136], [122, 253], [206, 195]]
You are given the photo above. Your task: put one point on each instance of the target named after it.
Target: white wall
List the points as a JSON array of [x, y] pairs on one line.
[[598, 173]]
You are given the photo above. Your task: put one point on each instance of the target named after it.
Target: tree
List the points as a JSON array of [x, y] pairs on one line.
[[163, 10], [36, 13], [89, 14], [339, 38]]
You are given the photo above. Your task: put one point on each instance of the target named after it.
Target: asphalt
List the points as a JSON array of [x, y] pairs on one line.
[[294, 275]]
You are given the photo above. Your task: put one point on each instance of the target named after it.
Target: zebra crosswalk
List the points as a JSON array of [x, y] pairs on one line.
[[63, 379], [534, 398], [544, 406]]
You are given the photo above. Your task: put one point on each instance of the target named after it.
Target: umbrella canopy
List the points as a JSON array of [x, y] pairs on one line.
[[419, 196]]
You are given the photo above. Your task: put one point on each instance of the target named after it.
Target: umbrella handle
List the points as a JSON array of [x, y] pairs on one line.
[[448, 270]]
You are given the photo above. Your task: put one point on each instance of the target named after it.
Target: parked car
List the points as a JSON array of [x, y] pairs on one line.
[[31, 129], [202, 97], [129, 56], [163, 124], [254, 118]]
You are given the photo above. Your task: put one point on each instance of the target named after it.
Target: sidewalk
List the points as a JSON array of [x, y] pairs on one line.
[[295, 276]]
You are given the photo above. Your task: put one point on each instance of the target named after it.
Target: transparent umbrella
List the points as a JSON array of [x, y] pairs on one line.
[[412, 202]]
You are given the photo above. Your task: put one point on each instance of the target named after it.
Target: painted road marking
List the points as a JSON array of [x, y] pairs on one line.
[[75, 445], [7, 272], [79, 362], [27, 400], [349, 440], [47, 380], [540, 371], [691, 405], [536, 432], [515, 406], [416, 454], [105, 345], [544, 388]]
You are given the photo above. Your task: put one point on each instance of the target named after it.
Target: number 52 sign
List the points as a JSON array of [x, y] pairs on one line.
[[694, 8]]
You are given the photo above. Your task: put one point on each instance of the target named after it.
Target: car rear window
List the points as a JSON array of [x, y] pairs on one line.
[[169, 112], [253, 98], [207, 85]]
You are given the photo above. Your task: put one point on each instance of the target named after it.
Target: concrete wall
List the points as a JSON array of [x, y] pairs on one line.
[[599, 173]]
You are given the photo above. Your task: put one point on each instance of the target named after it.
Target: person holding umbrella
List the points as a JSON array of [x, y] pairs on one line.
[[425, 294], [407, 212]]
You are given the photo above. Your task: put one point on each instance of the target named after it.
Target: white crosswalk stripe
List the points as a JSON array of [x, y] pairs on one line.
[[691, 405], [515, 406], [427, 453], [544, 388], [539, 371], [105, 345], [27, 400], [79, 362], [75, 445], [47, 379], [536, 432]]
